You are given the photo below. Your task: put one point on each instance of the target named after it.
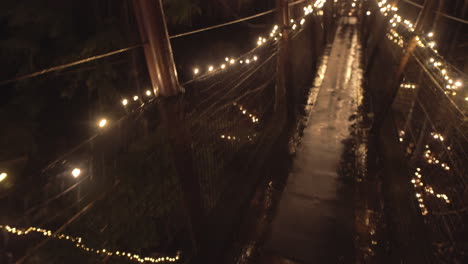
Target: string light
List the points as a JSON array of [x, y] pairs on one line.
[[78, 243], [440, 67], [76, 172], [272, 36], [238, 139], [124, 102], [3, 176], [408, 85], [102, 123], [148, 93], [244, 111], [421, 188], [135, 97]]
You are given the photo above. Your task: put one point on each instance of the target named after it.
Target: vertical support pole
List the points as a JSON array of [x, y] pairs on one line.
[[284, 67], [424, 19], [327, 21], [158, 52]]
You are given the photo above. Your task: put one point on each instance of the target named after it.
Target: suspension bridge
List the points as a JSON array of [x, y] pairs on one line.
[[339, 136]]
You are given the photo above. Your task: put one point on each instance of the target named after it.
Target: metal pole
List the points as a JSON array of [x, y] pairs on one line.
[[158, 52]]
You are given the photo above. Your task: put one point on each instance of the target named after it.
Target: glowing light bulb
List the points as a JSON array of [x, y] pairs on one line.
[[431, 44], [232, 61], [458, 84], [148, 93], [3, 176], [247, 61], [223, 66], [255, 58], [103, 122], [368, 13], [226, 59], [302, 21], [210, 68], [135, 98], [124, 102], [76, 172], [430, 34]]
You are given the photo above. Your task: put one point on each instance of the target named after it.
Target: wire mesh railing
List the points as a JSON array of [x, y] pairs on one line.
[[429, 113], [116, 196]]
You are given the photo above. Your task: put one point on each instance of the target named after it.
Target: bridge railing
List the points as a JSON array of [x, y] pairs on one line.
[[429, 111], [117, 191]]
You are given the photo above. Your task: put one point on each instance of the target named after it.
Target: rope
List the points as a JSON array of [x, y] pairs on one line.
[[68, 65], [222, 25]]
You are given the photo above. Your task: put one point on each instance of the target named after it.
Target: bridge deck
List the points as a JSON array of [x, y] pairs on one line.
[[314, 221]]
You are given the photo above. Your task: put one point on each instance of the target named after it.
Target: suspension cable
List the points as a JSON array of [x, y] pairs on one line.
[[222, 25], [442, 14], [68, 65]]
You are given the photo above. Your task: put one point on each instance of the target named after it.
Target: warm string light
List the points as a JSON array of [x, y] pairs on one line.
[[76, 172], [430, 158], [401, 133], [3, 176], [244, 111], [437, 136], [234, 138], [396, 38], [408, 85], [102, 123], [77, 241], [422, 189], [425, 42], [261, 40]]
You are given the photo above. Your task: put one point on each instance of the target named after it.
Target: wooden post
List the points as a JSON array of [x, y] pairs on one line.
[[158, 52], [284, 66], [424, 20]]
